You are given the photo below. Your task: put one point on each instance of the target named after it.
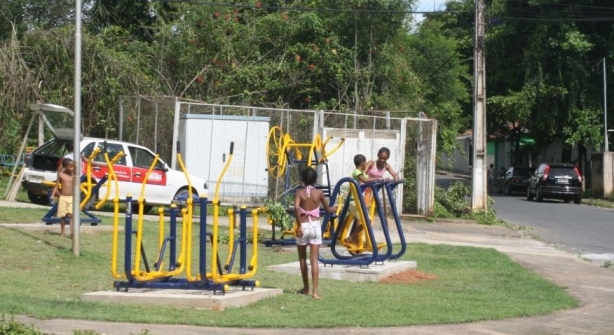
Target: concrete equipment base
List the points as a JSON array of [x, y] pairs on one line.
[[235, 297], [374, 272]]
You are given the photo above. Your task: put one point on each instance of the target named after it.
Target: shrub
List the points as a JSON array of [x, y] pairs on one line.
[[456, 199], [455, 202], [12, 327], [278, 215]]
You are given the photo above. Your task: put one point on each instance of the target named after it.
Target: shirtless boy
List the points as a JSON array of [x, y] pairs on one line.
[[63, 188]]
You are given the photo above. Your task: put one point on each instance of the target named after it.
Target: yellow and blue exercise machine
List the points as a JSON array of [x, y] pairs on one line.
[[88, 188], [283, 155], [366, 250], [218, 278]]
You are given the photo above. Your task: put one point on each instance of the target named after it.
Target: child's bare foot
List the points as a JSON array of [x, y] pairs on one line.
[[317, 296], [302, 291]]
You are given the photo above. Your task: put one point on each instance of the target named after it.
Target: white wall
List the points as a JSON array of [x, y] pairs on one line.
[[205, 145], [459, 160], [366, 142]]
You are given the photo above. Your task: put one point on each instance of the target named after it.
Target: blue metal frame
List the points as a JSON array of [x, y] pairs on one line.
[[375, 256], [362, 259], [389, 187], [182, 283]]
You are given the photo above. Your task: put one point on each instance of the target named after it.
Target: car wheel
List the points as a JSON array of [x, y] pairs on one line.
[[181, 197], [38, 199], [538, 194], [508, 191], [577, 200], [529, 195]]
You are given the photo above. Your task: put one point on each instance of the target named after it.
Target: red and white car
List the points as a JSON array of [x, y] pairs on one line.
[[162, 187]]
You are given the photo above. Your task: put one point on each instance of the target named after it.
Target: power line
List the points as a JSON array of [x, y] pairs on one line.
[[562, 4], [570, 19], [556, 12], [309, 9]]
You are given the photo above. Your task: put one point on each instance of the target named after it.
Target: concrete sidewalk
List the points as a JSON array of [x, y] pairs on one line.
[[592, 285]]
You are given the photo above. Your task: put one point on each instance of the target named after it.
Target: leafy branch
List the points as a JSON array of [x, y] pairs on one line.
[[278, 214]]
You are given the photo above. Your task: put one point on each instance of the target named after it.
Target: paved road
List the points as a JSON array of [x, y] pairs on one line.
[[582, 230]]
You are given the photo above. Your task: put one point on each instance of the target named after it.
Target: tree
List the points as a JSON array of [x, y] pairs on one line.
[[33, 14]]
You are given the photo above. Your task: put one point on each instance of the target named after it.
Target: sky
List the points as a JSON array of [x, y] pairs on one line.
[[429, 6]]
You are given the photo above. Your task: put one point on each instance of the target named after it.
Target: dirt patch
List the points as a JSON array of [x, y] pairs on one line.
[[408, 277]]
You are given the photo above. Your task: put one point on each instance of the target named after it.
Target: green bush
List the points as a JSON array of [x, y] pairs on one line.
[[278, 215], [455, 202], [12, 327]]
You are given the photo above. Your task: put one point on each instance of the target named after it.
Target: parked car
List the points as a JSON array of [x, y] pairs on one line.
[[515, 179], [556, 181], [162, 187]]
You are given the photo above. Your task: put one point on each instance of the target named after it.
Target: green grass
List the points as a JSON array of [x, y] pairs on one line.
[[40, 277], [597, 202]]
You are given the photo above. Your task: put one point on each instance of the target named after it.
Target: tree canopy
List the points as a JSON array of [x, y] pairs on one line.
[[544, 60]]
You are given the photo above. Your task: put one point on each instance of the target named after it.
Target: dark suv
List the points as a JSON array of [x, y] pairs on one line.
[[556, 180]]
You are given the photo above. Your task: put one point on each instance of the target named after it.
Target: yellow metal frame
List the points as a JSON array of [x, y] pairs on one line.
[[364, 242], [280, 144], [224, 278], [184, 259], [110, 174], [112, 179], [86, 186]]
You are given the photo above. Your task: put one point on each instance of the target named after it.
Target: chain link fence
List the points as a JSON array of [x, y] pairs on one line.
[[202, 133]]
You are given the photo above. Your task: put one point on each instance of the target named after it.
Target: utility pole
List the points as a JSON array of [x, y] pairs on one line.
[[75, 223], [479, 180], [605, 109]]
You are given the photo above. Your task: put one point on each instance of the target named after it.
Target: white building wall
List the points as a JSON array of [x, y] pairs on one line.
[[459, 160], [366, 142], [205, 146]]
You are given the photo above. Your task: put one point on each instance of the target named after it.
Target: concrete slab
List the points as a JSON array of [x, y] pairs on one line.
[[235, 297], [353, 273]]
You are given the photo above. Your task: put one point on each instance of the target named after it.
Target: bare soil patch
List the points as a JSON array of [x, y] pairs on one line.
[[408, 277]]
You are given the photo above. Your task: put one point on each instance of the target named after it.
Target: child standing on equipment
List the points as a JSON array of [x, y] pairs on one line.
[[63, 188], [376, 169], [306, 208], [360, 162]]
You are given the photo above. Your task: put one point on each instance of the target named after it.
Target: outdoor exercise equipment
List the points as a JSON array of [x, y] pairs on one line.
[[87, 189], [220, 276], [367, 250], [377, 205], [284, 153]]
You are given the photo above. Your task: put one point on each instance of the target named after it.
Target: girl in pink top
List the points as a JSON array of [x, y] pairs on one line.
[[309, 230], [376, 169]]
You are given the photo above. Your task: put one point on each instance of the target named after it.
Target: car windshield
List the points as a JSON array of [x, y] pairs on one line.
[[522, 171], [561, 171]]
